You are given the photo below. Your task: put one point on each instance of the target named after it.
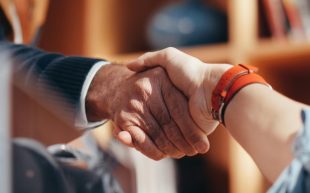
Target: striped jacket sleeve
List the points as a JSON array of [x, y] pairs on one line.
[[56, 78]]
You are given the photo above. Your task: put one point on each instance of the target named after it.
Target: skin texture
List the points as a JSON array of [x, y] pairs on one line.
[[149, 113], [193, 77], [264, 122]]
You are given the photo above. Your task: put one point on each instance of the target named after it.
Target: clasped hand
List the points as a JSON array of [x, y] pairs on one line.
[[158, 115]]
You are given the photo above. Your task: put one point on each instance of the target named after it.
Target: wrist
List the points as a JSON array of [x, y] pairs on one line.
[[213, 74], [102, 91], [230, 83]]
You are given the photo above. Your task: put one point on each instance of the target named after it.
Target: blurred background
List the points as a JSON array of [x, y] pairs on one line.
[[271, 34]]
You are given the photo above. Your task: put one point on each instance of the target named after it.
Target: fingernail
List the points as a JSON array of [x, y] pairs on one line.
[[201, 147]]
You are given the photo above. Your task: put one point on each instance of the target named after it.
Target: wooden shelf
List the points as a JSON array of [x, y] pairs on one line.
[[278, 51], [265, 52], [219, 53]]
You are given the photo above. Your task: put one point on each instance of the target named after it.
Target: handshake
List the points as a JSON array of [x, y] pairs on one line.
[[168, 103], [163, 108]]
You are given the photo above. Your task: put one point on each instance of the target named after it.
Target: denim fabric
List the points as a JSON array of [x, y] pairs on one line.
[[296, 177]]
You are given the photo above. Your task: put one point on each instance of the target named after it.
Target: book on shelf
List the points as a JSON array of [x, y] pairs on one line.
[[288, 18], [303, 7], [296, 31], [276, 18]]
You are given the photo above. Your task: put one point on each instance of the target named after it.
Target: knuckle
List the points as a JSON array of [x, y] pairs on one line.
[[169, 53], [164, 54], [170, 50], [137, 136], [126, 119], [158, 71], [142, 87], [122, 117], [135, 105], [147, 54]]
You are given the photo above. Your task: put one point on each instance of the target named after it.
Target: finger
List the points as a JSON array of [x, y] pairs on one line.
[[125, 138], [178, 107], [176, 137], [144, 144], [163, 58], [140, 116], [141, 141], [170, 129], [158, 136], [148, 60], [122, 136]]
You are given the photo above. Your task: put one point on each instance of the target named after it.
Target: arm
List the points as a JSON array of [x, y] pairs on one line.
[[152, 110], [54, 78], [263, 121]]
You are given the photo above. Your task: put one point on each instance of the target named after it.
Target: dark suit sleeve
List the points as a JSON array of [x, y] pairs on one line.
[[51, 74]]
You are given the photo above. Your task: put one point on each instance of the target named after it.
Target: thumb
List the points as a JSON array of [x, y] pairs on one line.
[[137, 65], [148, 60]]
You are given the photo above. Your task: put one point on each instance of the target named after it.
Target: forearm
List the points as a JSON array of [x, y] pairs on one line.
[[265, 123]]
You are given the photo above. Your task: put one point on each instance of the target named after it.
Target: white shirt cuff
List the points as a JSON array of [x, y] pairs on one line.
[[81, 119]]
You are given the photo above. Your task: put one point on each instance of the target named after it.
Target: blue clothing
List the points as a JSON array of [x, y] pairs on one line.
[[296, 177]]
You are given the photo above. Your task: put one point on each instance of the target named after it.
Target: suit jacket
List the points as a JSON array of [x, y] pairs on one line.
[[52, 75], [56, 78]]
